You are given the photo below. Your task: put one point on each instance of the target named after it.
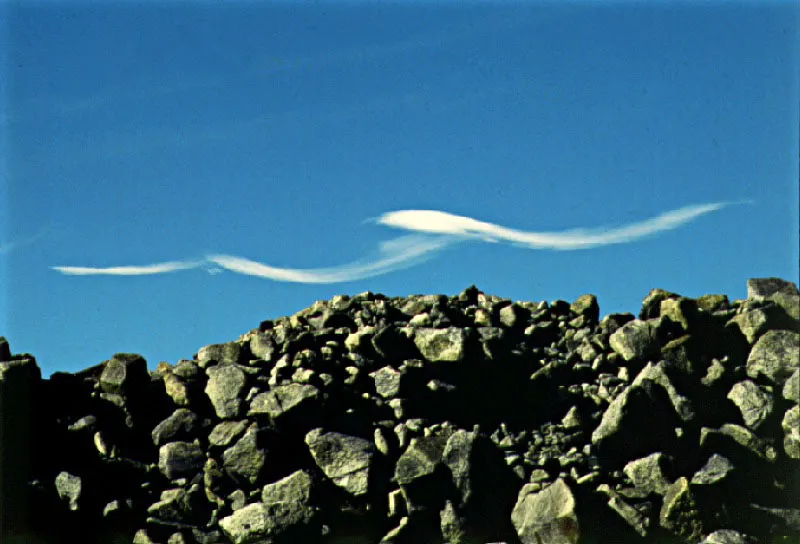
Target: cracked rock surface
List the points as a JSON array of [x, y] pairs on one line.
[[464, 419]]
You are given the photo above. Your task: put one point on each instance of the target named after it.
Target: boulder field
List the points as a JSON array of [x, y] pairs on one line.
[[468, 419]]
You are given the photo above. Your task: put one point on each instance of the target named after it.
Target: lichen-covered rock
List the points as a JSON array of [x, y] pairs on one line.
[[246, 458], [753, 401], [224, 388], [647, 473], [182, 424], [716, 469], [123, 372], [679, 514], [635, 340], [180, 459], [346, 460], [282, 399], [546, 515], [775, 356], [229, 352], [791, 432], [226, 432], [441, 345], [728, 536], [69, 488], [782, 292]]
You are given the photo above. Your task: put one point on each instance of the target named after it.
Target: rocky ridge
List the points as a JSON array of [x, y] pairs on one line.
[[468, 419]]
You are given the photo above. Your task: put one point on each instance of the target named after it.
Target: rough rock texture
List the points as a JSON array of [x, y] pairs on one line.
[[469, 419]]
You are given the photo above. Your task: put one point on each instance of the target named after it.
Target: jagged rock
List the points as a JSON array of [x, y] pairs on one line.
[[547, 515], [177, 389], [346, 460], [229, 352], [647, 473], [123, 372], [713, 303], [181, 425], [679, 310], [179, 459], [224, 388], [226, 432], [387, 381], [753, 401], [69, 488], [171, 507], [262, 346], [635, 519], [635, 340], [587, 306], [418, 471], [657, 374], [679, 514], [736, 442], [441, 345], [245, 459], [716, 469], [260, 523], [791, 432], [393, 344], [513, 316], [775, 356], [638, 422], [651, 305], [727, 536], [782, 292], [282, 399], [751, 323]]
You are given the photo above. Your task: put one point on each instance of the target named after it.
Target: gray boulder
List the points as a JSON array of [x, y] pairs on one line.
[[775, 356], [245, 459], [753, 402], [547, 515], [716, 469], [180, 459], [224, 388], [182, 424], [441, 345], [346, 460], [635, 340], [282, 399], [647, 473], [69, 488], [230, 352], [123, 372], [791, 432], [679, 512]]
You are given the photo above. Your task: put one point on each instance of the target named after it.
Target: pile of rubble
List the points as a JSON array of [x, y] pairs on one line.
[[425, 419]]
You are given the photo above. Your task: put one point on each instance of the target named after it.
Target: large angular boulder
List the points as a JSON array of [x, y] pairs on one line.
[[346, 460]]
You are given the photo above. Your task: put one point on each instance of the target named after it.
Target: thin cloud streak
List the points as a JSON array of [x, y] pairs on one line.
[[438, 222], [8, 247], [396, 254], [435, 231], [147, 270]]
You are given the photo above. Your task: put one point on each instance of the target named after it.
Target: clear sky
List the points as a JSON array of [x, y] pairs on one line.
[[175, 173]]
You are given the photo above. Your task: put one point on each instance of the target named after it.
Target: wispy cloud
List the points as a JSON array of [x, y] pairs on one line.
[[146, 270], [434, 230], [395, 254], [438, 222]]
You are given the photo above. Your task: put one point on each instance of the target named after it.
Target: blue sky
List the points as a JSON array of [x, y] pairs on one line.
[[235, 141]]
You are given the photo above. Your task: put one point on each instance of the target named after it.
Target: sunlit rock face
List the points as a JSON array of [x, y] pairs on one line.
[[439, 419]]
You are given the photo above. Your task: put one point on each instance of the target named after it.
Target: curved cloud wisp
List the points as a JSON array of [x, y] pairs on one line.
[[158, 268], [435, 231], [395, 254], [432, 221]]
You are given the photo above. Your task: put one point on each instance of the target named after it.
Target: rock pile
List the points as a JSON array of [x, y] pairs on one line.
[[427, 419]]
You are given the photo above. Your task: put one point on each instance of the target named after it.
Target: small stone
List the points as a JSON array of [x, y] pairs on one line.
[[69, 488], [716, 469], [226, 432], [647, 473]]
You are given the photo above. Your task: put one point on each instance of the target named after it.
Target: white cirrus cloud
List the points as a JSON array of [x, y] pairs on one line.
[[146, 270], [438, 222], [434, 230], [399, 253]]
